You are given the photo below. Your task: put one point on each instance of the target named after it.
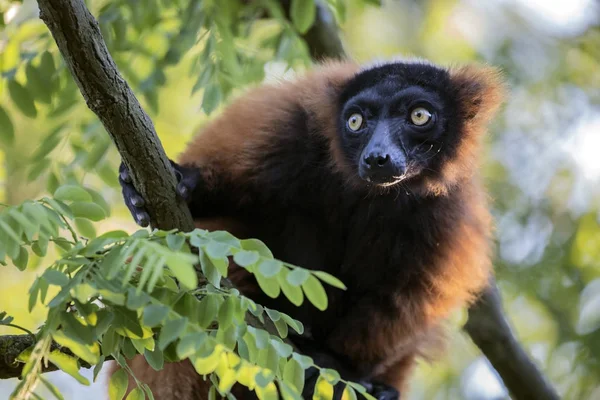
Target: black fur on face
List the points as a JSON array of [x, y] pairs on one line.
[[396, 122]]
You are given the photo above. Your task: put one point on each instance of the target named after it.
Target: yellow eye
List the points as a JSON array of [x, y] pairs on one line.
[[420, 116], [355, 122]]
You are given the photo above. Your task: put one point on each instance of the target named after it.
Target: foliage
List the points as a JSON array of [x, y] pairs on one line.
[[121, 295]]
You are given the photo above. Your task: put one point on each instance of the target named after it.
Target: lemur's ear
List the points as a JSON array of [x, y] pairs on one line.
[[480, 91]]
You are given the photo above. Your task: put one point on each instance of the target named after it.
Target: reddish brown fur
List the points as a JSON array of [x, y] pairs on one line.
[[462, 266]]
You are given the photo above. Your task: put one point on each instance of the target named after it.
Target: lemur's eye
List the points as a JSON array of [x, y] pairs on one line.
[[355, 122], [420, 116]]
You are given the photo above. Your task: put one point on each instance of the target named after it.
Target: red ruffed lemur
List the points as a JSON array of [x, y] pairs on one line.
[[368, 173]]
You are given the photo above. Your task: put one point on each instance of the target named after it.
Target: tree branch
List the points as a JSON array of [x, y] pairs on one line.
[[13, 345], [108, 95], [491, 332]]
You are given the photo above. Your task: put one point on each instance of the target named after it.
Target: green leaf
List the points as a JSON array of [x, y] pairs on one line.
[[212, 393], [304, 361], [136, 300], [315, 292], [47, 67], [175, 241], [34, 291], [148, 391], [52, 182], [98, 369], [171, 331], [211, 99], [114, 261], [41, 246], [323, 390], [48, 144], [349, 393], [117, 386], [55, 277], [303, 14], [206, 364], [89, 353], [295, 324], [155, 314], [217, 250], [22, 98], [267, 393], [21, 261], [7, 129], [288, 393], [35, 83], [269, 268], [181, 265], [190, 344], [88, 210], [110, 342], [208, 309], [298, 276], [226, 311], [261, 336], [268, 285], [27, 224], [73, 328], [127, 324], [359, 388], [85, 228], [136, 394], [209, 270], [204, 77], [10, 55], [67, 364], [273, 314], [283, 349], [128, 349], [99, 200], [330, 279], [293, 293], [282, 328], [155, 358], [294, 374], [256, 245], [72, 193], [246, 258], [263, 378], [105, 318], [38, 168], [330, 375]]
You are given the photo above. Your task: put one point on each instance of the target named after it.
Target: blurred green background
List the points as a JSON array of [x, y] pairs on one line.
[[542, 161]]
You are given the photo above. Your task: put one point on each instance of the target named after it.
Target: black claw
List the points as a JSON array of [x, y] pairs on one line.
[[137, 201], [183, 190], [134, 202], [124, 173], [383, 392], [142, 218]]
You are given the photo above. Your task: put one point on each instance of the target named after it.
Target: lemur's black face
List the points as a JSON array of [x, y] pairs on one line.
[[393, 122]]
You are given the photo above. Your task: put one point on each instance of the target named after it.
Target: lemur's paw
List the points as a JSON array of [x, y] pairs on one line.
[[187, 180], [133, 200], [381, 391]]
